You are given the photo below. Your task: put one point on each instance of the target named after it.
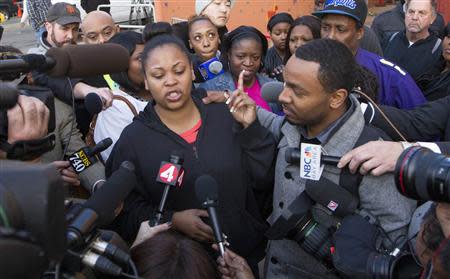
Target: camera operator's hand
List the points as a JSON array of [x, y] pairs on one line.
[[190, 223], [242, 107], [67, 173], [443, 215], [81, 90], [375, 157], [232, 266], [28, 120], [145, 232]]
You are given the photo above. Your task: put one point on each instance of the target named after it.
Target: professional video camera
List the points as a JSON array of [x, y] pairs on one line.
[[36, 232], [421, 174]]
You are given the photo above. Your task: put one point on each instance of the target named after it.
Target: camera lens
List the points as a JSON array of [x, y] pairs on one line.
[[378, 265], [314, 238], [423, 175]]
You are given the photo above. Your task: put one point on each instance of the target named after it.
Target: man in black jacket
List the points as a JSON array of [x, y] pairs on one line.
[[416, 50], [390, 22], [422, 125]]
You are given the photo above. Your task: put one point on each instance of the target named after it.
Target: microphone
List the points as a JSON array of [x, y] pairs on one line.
[[93, 103], [99, 209], [206, 189], [8, 95], [85, 157], [171, 174], [332, 196], [88, 60], [101, 264], [29, 62], [292, 156], [215, 67], [270, 91]]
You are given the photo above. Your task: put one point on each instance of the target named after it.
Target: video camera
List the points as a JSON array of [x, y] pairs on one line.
[[25, 150], [421, 174], [35, 231]]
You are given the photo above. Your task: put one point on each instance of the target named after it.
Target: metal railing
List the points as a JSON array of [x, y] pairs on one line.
[[143, 9]]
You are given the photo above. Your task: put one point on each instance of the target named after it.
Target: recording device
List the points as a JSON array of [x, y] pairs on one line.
[[293, 155], [206, 189], [171, 174], [332, 196], [75, 61], [356, 255], [32, 223], [93, 103], [211, 68], [270, 91], [31, 149], [297, 223], [421, 174], [86, 156], [99, 209]]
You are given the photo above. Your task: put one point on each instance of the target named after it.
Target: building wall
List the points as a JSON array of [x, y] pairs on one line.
[[245, 12]]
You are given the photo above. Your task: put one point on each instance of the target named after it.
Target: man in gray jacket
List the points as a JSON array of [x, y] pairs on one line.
[[320, 110]]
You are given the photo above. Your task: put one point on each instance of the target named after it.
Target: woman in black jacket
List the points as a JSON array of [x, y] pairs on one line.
[[231, 147]]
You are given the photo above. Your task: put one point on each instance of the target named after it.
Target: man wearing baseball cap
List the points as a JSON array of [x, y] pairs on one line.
[[343, 20], [62, 24]]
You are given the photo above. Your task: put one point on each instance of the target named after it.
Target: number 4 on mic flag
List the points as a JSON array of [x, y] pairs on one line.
[[171, 174]]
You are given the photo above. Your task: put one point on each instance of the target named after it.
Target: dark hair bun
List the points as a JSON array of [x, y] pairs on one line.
[[152, 30]]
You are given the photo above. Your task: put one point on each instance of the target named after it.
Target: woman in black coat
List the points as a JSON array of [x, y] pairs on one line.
[[231, 147]]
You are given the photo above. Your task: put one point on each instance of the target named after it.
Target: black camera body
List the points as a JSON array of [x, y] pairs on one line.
[[32, 228], [423, 175], [297, 223]]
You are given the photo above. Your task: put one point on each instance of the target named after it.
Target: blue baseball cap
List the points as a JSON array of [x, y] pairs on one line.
[[356, 9]]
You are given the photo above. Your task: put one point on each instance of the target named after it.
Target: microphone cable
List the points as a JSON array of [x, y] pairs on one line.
[[372, 102]]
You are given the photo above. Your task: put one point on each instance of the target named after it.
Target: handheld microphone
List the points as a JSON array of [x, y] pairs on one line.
[[171, 174], [211, 68], [270, 91], [88, 60], [332, 196], [99, 209], [85, 157], [206, 189], [8, 95], [93, 103], [292, 156]]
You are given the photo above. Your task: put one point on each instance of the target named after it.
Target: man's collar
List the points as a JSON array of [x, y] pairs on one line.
[[326, 134], [44, 43]]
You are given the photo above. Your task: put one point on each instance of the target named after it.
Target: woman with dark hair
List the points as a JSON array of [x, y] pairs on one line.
[[303, 30], [155, 28], [238, 155], [129, 90], [172, 255], [436, 85], [244, 50], [204, 41], [278, 27]]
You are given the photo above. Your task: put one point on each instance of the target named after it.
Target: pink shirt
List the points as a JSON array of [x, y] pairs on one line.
[[255, 93]]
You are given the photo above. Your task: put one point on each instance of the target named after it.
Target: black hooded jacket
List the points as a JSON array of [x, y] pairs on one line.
[[239, 160]]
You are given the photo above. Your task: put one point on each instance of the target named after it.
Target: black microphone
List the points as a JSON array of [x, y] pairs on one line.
[[93, 103], [206, 189], [332, 196], [85, 157], [8, 95], [99, 209], [270, 91], [292, 156], [28, 62], [171, 174]]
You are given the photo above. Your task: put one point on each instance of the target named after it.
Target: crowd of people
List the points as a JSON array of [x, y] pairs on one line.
[[363, 94]]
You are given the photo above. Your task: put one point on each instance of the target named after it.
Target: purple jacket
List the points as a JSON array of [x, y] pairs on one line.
[[396, 87]]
